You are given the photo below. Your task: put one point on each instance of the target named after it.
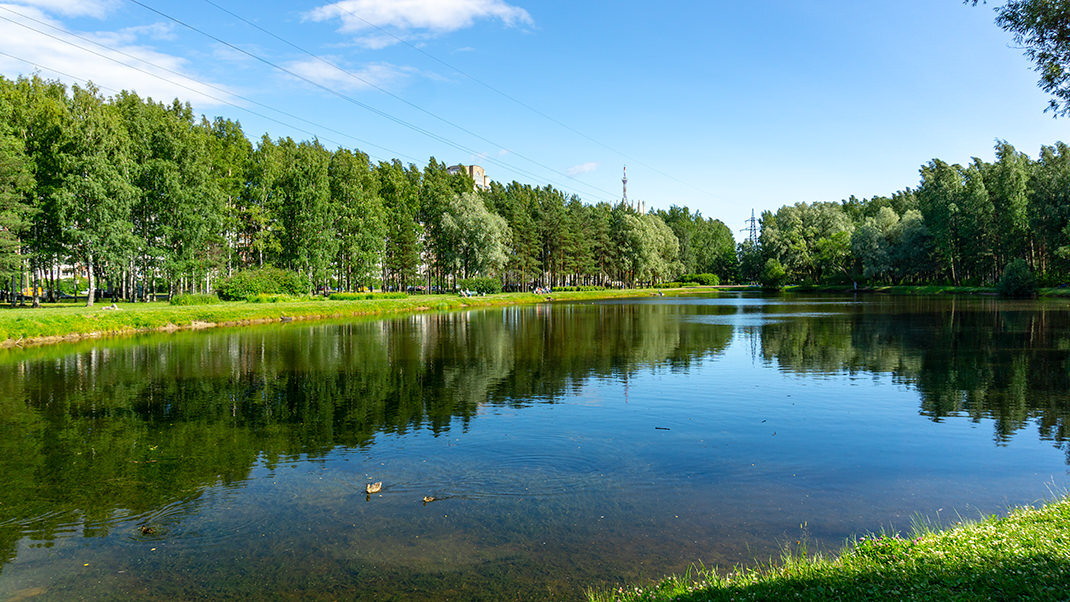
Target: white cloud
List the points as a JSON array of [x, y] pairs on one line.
[[582, 168], [72, 8], [372, 75], [402, 17], [120, 62]]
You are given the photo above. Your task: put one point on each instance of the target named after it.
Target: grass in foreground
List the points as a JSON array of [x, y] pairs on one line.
[[1023, 556]]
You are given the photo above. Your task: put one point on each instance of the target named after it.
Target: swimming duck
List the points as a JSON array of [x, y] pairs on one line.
[[373, 487]]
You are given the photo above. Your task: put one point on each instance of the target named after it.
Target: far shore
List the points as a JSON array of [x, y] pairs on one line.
[[69, 322]]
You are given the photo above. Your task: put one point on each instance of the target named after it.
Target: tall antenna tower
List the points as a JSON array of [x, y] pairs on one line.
[[624, 181], [752, 228]]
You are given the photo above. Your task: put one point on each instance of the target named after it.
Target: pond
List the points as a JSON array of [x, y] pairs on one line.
[[562, 446]]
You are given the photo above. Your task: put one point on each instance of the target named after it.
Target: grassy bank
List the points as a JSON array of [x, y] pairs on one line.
[[923, 289], [1023, 556], [50, 324]]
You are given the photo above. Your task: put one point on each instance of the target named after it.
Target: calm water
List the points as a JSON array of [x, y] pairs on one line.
[[568, 446]]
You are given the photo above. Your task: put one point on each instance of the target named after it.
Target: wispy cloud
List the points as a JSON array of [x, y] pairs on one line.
[[409, 19], [582, 168], [117, 60], [72, 8], [373, 75]]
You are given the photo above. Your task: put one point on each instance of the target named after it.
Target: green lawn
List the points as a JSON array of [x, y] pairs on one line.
[[1023, 556]]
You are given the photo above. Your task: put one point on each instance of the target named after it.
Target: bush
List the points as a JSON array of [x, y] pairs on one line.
[[266, 298], [365, 296], [1017, 280], [703, 279], [577, 289], [773, 275], [263, 281], [488, 286], [194, 299]]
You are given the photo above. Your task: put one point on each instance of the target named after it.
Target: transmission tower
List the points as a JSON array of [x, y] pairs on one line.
[[752, 228], [624, 182]]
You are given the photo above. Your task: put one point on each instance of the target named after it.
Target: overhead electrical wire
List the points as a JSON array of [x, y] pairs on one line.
[[397, 97], [37, 65], [513, 99], [181, 85], [338, 94]]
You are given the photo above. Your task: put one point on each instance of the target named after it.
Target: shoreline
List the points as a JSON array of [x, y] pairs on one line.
[[58, 324], [1020, 555], [52, 325]]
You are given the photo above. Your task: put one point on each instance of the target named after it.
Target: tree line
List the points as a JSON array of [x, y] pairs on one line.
[[144, 196], [961, 225]]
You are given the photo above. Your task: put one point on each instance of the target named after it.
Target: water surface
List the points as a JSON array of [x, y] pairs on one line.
[[567, 445]]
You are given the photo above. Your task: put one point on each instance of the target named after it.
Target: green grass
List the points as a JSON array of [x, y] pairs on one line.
[[1023, 556], [24, 325]]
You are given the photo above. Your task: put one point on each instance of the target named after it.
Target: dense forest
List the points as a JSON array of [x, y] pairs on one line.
[[143, 196]]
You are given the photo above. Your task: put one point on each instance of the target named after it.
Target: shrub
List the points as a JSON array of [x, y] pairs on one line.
[[199, 299], [266, 298], [365, 296], [263, 281], [1017, 280], [773, 275], [577, 289], [703, 279], [487, 286]]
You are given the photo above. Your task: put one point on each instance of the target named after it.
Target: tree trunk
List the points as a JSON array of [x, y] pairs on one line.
[[36, 282], [92, 281]]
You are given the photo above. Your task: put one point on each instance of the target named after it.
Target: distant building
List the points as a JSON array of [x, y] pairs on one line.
[[479, 177]]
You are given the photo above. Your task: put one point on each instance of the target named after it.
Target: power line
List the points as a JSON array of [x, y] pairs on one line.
[[38, 65], [181, 85], [512, 98], [372, 84], [336, 93]]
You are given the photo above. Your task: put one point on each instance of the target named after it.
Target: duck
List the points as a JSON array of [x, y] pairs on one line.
[[373, 487], [429, 498]]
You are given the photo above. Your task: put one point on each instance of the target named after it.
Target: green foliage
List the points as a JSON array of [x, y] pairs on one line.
[[1039, 28], [576, 289], [150, 199], [773, 275], [16, 180], [486, 286], [1018, 280], [263, 281], [703, 279], [365, 296], [811, 242], [282, 298], [476, 237], [195, 299], [705, 245]]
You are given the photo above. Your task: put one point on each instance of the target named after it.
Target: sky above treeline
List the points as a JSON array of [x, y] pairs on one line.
[[720, 106]]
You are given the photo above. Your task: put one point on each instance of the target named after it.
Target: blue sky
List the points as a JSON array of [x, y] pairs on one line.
[[719, 106]]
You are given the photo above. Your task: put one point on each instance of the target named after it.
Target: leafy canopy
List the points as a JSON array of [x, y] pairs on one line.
[[1042, 29]]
